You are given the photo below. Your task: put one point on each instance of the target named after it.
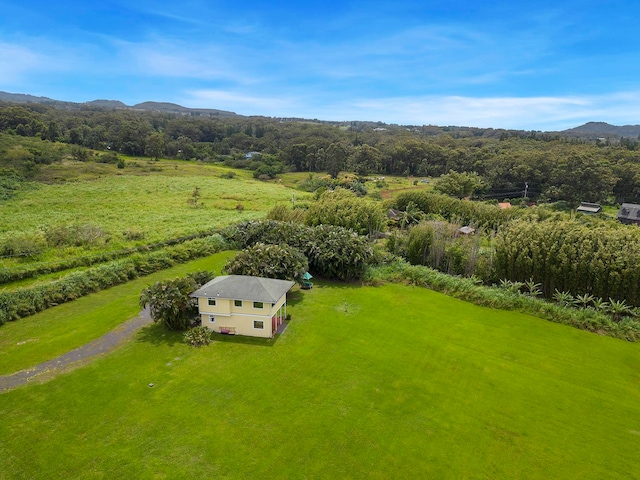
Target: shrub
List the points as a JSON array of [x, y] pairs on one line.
[[198, 336], [76, 235], [344, 208], [23, 245], [283, 213]]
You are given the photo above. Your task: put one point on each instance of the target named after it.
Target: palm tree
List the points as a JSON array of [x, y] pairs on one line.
[[618, 308], [584, 300], [563, 298], [533, 287], [411, 214], [600, 305]]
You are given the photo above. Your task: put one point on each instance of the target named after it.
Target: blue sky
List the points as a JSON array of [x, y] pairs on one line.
[[534, 65]]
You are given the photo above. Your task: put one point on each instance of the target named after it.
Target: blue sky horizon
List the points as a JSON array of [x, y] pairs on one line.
[[537, 65]]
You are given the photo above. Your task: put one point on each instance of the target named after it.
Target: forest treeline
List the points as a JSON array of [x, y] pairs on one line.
[[546, 167]]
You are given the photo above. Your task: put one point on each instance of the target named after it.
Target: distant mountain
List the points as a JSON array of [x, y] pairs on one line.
[[602, 129], [118, 105], [175, 108], [24, 98], [107, 104]]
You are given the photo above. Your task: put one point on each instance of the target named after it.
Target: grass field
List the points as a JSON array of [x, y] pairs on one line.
[[366, 382], [55, 331], [152, 205]]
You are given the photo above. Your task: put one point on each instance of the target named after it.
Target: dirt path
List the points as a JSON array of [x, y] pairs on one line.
[[78, 357]]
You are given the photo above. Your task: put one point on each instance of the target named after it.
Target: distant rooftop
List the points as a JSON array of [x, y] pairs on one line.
[[588, 207]]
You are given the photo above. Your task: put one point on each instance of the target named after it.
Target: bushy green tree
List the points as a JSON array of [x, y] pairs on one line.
[[459, 185], [269, 261], [169, 300], [335, 252]]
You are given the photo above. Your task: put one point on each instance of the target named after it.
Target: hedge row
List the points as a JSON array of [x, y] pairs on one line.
[[470, 290], [14, 275], [15, 304]]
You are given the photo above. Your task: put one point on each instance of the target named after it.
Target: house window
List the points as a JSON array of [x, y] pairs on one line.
[[258, 305], [212, 301], [237, 303], [212, 319], [258, 324]]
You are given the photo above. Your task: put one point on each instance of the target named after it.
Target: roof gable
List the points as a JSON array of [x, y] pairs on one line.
[[244, 287]]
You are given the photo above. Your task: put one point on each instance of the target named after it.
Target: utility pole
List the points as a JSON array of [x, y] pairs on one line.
[[526, 188]]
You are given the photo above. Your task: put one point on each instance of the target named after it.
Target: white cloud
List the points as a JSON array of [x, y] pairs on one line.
[[17, 61]]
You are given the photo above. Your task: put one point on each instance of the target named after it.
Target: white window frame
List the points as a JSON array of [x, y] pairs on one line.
[[235, 303], [258, 321], [209, 300], [261, 307], [212, 319]]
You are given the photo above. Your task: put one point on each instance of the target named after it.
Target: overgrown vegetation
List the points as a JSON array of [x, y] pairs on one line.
[[602, 260]]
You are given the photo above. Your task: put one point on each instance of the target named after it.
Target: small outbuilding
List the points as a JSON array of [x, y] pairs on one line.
[[589, 208], [467, 230], [243, 305], [629, 213]]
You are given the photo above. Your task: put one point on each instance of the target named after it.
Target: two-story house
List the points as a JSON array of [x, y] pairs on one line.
[[243, 305]]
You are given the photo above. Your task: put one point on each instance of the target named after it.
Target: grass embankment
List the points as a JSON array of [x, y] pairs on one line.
[[366, 382], [53, 332]]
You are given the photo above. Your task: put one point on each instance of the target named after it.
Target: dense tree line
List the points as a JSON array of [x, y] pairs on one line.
[[506, 163], [602, 260]]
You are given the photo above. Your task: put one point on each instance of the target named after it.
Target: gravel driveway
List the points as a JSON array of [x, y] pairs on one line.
[[75, 358]]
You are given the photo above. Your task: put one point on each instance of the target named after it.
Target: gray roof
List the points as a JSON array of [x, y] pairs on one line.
[[588, 207], [243, 287], [629, 211]]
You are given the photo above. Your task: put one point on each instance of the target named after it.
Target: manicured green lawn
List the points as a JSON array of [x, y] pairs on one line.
[[53, 332], [374, 382]]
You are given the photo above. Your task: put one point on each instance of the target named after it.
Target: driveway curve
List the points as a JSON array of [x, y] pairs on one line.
[[77, 357]]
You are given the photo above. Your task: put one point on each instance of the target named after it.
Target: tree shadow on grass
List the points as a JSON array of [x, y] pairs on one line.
[[243, 340], [296, 296], [156, 334]]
